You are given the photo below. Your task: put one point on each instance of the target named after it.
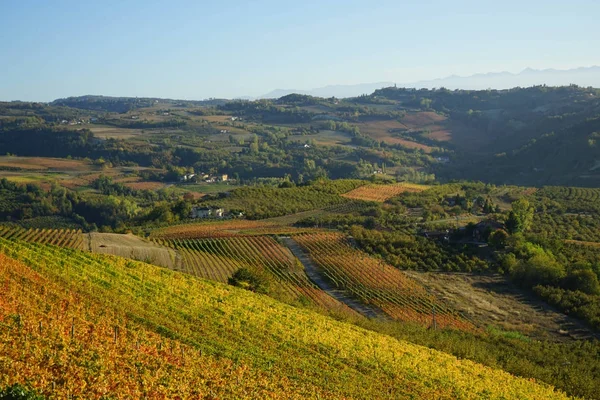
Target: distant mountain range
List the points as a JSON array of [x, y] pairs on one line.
[[583, 76], [339, 91]]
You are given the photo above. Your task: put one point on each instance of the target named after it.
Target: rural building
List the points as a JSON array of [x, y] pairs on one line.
[[438, 235], [484, 228], [207, 212], [224, 177], [187, 177]]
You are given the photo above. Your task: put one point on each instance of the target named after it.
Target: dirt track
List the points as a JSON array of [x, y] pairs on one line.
[[340, 295], [493, 300]]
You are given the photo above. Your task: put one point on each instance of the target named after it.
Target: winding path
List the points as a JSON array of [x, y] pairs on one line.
[[312, 271]]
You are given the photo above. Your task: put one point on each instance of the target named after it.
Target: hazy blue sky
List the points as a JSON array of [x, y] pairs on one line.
[[200, 49]]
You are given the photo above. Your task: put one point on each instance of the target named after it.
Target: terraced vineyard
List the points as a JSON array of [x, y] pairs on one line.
[[79, 325], [218, 259], [381, 193], [229, 228], [575, 199], [70, 238], [208, 229], [567, 227], [375, 282]]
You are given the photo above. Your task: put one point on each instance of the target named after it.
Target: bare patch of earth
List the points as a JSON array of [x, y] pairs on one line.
[[493, 300], [135, 248]]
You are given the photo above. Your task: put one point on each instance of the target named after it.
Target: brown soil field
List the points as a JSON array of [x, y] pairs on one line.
[[73, 183], [430, 121], [92, 177], [423, 118], [44, 163], [128, 179], [381, 193], [379, 130], [492, 300], [195, 195], [133, 247]]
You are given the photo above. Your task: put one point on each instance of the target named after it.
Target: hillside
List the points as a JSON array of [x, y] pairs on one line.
[[165, 334]]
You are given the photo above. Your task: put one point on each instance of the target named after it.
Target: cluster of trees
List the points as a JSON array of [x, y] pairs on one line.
[[267, 111], [565, 282], [418, 253], [114, 206]]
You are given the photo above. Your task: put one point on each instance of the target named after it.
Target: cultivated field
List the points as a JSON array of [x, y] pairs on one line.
[[71, 174], [111, 132], [70, 238], [135, 248], [145, 185], [219, 259], [209, 229], [241, 227], [377, 283], [428, 121], [324, 138], [137, 331], [380, 130], [381, 193], [43, 163]]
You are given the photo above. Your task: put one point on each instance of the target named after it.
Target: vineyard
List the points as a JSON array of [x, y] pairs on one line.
[[375, 282], [574, 199], [170, 335], [70, 238], [229, 228], [209, 229], [381, 193], [567, 227], [219, 259]]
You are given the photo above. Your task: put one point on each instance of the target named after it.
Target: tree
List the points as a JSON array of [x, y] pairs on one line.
[[498, 239], [520, 217], [250, 280], [582, 278]]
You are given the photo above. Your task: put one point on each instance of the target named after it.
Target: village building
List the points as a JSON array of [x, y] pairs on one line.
[[187, 177], [207, 212]]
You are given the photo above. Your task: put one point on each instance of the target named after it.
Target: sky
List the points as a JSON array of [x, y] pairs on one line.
[[201, 49]]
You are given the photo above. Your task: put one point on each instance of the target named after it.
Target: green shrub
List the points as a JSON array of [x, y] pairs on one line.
[[19, 392]]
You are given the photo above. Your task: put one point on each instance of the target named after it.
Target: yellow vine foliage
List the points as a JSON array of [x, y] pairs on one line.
[[78, 325], [381, 193]]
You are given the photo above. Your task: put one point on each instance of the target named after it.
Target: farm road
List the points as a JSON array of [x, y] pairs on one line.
[[341, 295]]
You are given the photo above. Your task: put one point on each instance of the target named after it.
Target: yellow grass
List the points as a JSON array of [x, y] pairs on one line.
[[381, 193]]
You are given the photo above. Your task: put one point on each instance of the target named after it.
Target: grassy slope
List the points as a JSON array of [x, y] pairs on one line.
[[235, 344]]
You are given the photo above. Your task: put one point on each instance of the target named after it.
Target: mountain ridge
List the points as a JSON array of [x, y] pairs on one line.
[[582, 76]]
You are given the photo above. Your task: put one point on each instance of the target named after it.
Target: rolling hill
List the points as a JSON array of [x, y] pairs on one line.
[[169, 335]]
